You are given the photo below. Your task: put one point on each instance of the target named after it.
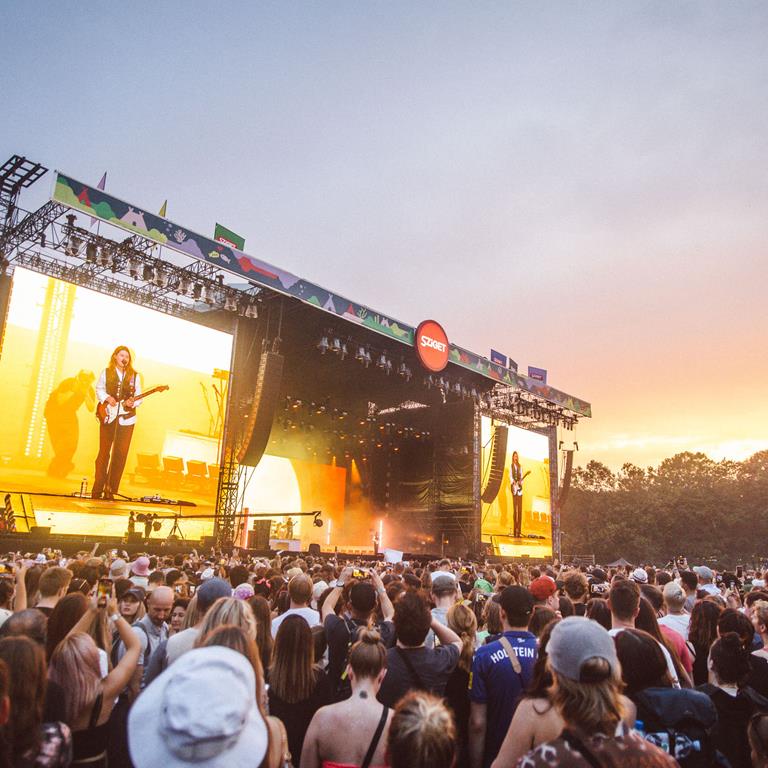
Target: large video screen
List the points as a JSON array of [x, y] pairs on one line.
[[527, 530], [57, 354]]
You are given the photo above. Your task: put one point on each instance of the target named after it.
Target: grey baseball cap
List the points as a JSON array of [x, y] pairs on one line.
[[574, 641]]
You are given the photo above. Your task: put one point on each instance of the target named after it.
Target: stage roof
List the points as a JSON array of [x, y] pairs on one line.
[[97, 203]]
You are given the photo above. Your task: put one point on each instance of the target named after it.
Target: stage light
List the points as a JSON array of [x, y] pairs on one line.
[[322, 345], [429, 381], [160, 279], [229, 303], [42, 239], [197, 290], [252, 309], [104, 257], [336, 345], [209, 295], [73, 246], [184, 285], [382, 361], [404, 372], [457, 388], [360, 355], [91, 254], [147, 274]]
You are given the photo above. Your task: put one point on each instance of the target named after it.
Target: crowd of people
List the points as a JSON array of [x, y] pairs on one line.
[[214, 659]]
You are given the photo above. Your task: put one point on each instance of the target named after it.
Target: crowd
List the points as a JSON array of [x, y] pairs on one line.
[[229, 660]]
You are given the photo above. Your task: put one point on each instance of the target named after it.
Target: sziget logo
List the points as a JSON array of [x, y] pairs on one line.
[[432, 345]]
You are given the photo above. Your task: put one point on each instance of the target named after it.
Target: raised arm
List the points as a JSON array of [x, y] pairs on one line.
[[20, 601], [123, 673], [329, 606], [444, 634], [387, 609]]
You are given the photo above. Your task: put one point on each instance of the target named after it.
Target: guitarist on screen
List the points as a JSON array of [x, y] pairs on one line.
[[516, 477], [118, 382]]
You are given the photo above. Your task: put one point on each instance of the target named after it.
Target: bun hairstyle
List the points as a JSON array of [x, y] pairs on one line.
[[422, 733], [367, 656], [730, 660]]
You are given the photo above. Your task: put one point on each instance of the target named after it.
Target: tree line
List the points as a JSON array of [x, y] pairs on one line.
[[709, 511]]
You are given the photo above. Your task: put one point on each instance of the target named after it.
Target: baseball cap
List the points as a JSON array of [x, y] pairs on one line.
[[135, 591], [598, 574], [211, 590], [484, 585], [704, 572], [41, 559], [574, 641], [543, 587], [640, 576], [202, 711], [206, 574]]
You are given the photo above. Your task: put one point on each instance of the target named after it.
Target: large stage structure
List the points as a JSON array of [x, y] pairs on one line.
[[334, 404]]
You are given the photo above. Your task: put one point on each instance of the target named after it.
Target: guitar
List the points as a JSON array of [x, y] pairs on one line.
[[107, 413], [518, 485]]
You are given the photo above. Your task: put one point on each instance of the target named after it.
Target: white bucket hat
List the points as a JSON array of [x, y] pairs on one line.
[[200, 712]]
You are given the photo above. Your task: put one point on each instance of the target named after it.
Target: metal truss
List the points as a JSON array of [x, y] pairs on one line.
[[526, 410]]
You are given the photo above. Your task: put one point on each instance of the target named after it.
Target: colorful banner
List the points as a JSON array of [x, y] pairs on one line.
[[74, 194], [538, 374], [512, 364], [228, 237]]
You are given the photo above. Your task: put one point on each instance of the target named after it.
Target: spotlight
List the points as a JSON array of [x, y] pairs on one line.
[[404, 372], [322, 345], [73, 246], [91, 254], [336, 345], [360, 355], [104, 257], [252, 309], [184, 285], [209, 295], [229, 303], [133, 268], [429, 381], [161, 278], [344, 352], [382, 361], [147, 274], [197, 290]]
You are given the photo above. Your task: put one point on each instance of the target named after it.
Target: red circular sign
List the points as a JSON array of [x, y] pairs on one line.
[[432, 345]]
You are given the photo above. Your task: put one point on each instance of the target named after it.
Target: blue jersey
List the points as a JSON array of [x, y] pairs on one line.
[[495, 683]]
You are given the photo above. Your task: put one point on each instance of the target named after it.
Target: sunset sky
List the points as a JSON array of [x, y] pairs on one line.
[[581, 185]]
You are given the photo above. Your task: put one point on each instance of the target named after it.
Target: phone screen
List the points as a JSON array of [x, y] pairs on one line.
[[104, 590]]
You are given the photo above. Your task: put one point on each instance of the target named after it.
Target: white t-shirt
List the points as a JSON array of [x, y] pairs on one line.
[[679, 622], [710, 589], [309, 615], [670, 664]]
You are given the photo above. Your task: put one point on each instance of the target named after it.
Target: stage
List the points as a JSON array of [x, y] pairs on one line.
[[275, 397]]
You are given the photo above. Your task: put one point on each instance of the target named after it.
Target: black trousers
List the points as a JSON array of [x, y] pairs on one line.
[[114, 442], [517, 506]]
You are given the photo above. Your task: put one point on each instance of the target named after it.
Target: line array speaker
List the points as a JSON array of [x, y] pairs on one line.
[[259, 422], [498, 460]]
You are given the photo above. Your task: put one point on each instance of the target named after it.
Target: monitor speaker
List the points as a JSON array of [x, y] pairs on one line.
[[259, 422]]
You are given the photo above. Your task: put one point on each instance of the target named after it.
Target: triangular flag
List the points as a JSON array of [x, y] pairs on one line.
[[163, 209], [102, 186]]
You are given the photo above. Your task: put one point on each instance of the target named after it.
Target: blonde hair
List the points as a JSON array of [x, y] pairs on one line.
[[595, 706], [228, 610], [463, 622], [422, 733], [192, 616], [75, 667], [760, 610]]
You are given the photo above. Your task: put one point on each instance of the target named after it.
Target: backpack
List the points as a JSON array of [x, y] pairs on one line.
[[682, 723], [344, 688]]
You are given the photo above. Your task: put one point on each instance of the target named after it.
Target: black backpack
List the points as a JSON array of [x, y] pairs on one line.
[[682, 723]]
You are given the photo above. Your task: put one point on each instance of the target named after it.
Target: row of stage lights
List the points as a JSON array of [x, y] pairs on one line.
[[299, 415], [105, 254], [366, 356]]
